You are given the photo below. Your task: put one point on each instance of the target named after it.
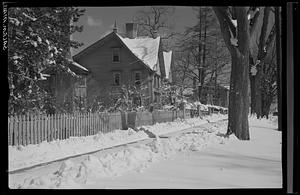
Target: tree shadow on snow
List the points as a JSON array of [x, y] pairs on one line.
[[224, 135], [262, 127]]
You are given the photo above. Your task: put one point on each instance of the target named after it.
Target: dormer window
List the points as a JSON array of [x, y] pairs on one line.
[[116, 54]]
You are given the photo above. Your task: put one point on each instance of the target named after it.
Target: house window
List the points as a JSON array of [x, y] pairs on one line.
[[80, 88], [137, 77], [117, 78], [156, 82], [116, 55]]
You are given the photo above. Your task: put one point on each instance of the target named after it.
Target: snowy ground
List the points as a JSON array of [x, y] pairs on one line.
[[21, 157], [198, 158]]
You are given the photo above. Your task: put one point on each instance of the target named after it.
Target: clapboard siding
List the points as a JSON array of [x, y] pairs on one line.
[[99, 62]]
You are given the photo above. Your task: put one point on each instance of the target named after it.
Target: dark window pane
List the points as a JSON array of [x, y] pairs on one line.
[[137, 77], [116, 55], [117, 77]]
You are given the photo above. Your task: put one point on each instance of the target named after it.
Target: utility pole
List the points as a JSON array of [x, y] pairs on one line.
[[216, 65], [204, 49], [199, 58]]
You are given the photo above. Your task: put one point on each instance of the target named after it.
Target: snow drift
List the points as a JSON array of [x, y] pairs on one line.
[[137, 158]]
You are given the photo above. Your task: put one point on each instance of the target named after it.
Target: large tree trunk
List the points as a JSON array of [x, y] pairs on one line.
[[255, 92], [239, 80], [256, 99], [258, 92], [239, 97], [252, 93]]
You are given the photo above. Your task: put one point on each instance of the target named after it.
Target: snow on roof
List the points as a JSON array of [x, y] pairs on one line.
[[145, 48], [167, 60], [77, 65]]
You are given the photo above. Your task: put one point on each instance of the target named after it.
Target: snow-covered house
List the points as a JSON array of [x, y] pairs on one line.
[[116, 60]]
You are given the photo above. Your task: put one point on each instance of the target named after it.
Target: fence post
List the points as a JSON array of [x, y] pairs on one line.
[[32, 126], [86, 119], [75, 116], [44, 124], [18, 130], [93, 123], [64, 126], [38, 128], [35, 122], [25, 130], [15, 133], [58, 126], [72, 116], [22, 128], [89, 122], [51, 127], [77, 124], [61, 130], [67, 125], [48, 128], [97, 122], [87, 125]]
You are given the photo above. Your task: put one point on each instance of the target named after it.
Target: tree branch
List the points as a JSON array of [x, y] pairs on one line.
[[224, 27], [262, 38], [254, 22], [243, 29]]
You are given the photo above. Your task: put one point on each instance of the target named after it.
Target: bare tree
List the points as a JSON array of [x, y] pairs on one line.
[[236, 30], [260, 45], [198, 44], [156, 19]]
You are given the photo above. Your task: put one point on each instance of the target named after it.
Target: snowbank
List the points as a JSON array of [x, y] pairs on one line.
[[227, 158], [20, 156], [137, 158]]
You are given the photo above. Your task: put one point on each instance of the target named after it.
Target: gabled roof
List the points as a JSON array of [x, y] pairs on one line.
[[92, 46], [167, 61], [145, 48]]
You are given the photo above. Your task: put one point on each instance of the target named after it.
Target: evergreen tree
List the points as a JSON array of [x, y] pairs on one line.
[[38, 38]]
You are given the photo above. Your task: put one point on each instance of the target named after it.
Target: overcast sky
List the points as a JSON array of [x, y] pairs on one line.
[[98, 21]]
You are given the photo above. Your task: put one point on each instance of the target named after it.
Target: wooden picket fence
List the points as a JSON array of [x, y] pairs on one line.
[[34, 129]]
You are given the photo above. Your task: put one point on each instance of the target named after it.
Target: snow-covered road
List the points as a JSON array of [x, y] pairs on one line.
[[200, 158], [234, 164]]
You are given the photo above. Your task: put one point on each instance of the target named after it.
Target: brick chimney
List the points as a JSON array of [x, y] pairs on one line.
[[131, 30]]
